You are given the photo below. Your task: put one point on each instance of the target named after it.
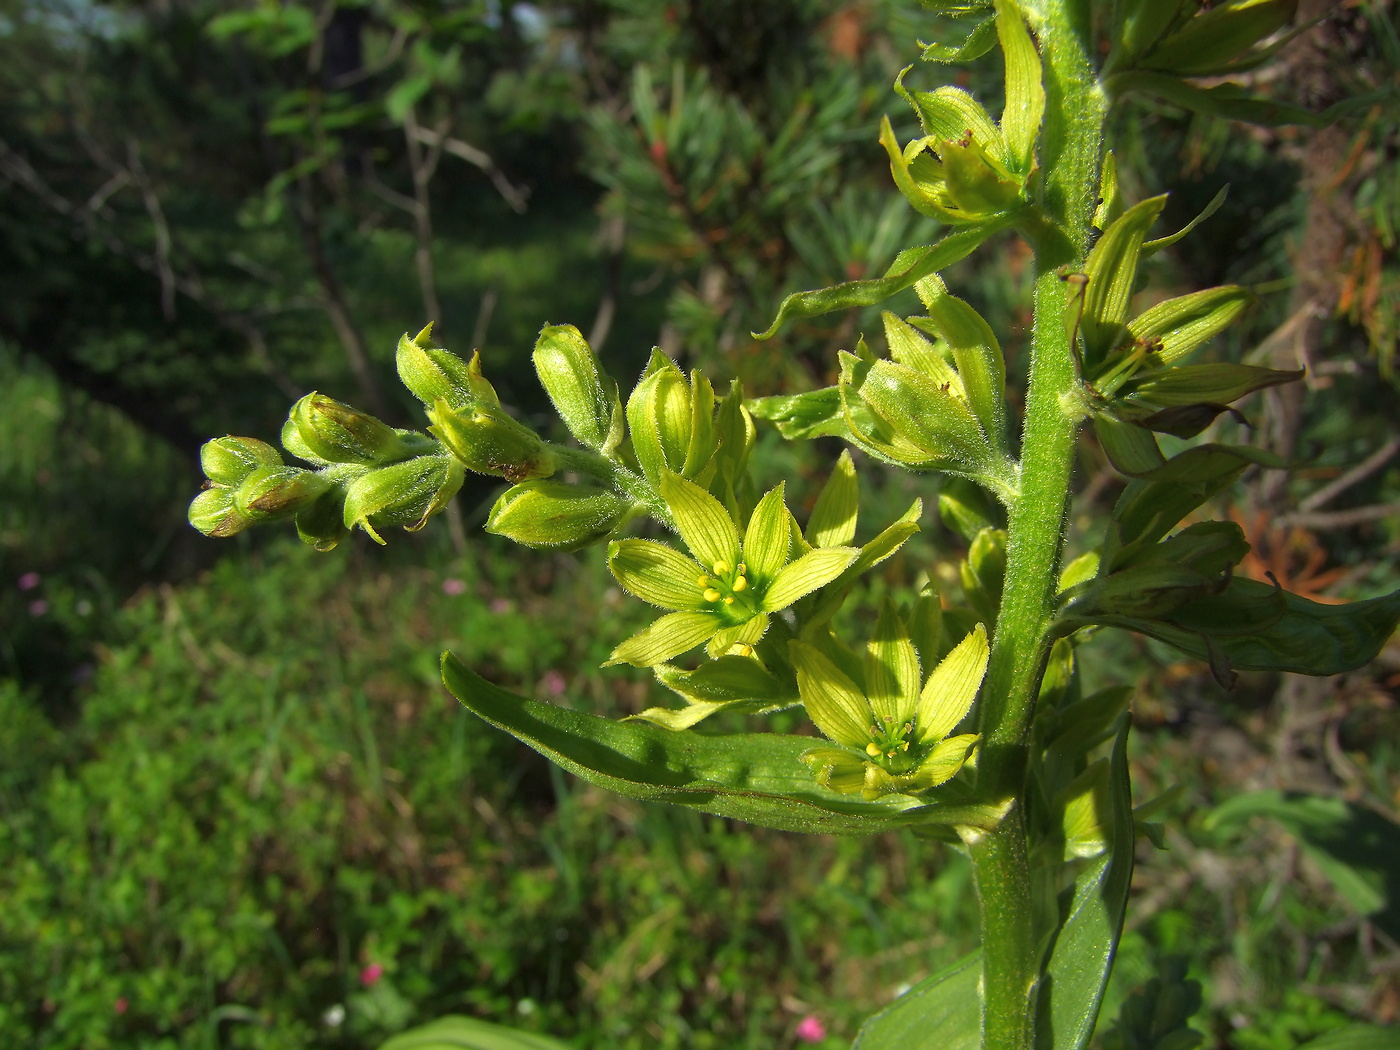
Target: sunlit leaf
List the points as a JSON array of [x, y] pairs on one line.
[[757, 777], [942, 1012], [909, 266]]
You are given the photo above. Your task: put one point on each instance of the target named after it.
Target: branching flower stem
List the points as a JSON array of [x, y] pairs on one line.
[[1071, 148]]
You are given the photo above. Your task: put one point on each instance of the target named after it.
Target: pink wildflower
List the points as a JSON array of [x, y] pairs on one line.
[[553, 683], [38, 607], [454, 587], [29, 581], [120, 1005], [810, 1029], [370, 975]]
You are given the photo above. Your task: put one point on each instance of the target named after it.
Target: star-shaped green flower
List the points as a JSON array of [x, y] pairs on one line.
[[895, 735], [724, 594]]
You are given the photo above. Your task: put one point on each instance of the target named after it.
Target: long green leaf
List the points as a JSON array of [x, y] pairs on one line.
[[756, 777], [1224, 100], [467, 1033], [1081, 957], [1306, 637], [942, 1012], [910, 266]]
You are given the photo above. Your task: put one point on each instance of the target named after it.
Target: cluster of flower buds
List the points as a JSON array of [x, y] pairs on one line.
[[366, 474], [466, 413]]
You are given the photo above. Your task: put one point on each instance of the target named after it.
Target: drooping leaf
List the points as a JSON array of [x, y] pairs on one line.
[[909, 266], [976, 44], [1216, 384], [1252, 626], [942, 1012], [756, 777]]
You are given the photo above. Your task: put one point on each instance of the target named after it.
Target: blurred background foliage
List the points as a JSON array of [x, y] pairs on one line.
[[237, 808]]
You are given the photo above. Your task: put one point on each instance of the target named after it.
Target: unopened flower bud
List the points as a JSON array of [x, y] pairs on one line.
[[407, 494], [671, 421], [488, 441], [213, 513], [319, 523], [275, 492], [433, 374], [228, 460], [337, 433], [557, 516], [583, 394]]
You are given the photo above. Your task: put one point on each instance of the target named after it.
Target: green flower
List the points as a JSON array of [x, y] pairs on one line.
[[894, 734], [724, 594]]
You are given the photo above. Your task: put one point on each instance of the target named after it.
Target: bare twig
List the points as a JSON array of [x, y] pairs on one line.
[[515, 196], [396, 46], [1342, 519], [20, 171], [423, 165], [1355, 475], [151, 200]]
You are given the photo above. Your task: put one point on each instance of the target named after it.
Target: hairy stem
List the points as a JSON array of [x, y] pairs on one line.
[[1071, 144]]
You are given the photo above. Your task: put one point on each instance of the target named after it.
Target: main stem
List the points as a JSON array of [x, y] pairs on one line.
[[1070, 147]]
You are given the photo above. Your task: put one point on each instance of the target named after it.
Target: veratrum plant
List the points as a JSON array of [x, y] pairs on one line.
[[962, 716]]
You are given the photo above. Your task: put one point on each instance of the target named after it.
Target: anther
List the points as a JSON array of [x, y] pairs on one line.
[[729, 600], [721, 567], [712, 595], [740, 583], [873, 750], [703, 581]]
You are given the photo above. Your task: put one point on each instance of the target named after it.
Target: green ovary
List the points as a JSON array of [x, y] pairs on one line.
[[726, 588]]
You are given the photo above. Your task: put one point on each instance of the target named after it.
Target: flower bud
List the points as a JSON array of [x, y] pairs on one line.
[[319, 523], [406, 493], [557, 516], [337, 433], [433, 374], [213, 513], [275, 492], [228, 460], [671, 421], [488, 441], [583, 394], [983, 572]]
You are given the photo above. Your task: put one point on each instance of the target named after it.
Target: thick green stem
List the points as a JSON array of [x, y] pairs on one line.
[[1070, 151]]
